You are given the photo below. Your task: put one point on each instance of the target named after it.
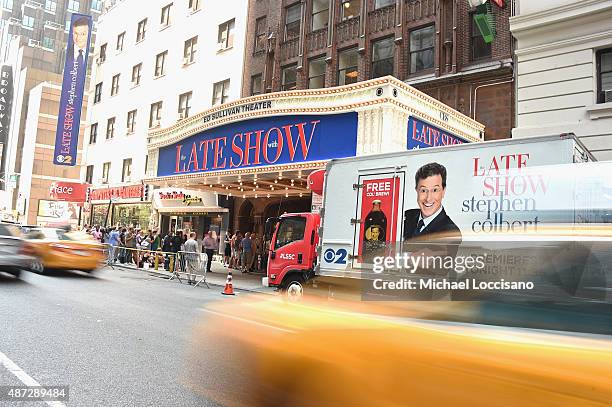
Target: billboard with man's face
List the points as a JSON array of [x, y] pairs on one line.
[[71, 100]]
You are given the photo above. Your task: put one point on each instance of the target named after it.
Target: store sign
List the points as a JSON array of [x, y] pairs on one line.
[[125, 192], [176, 196], [423, 135], [58, 209], [6, 101], [262, 142], [68, 191], [234, 110], [73, 84]]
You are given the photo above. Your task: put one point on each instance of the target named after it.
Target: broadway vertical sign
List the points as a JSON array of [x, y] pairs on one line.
[[75, 70]]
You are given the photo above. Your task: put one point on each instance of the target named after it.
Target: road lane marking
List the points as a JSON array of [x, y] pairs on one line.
[[248, 321], [24, 377]]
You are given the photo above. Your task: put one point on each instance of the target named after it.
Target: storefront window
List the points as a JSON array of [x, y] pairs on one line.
[[99, 214], [132, 215]]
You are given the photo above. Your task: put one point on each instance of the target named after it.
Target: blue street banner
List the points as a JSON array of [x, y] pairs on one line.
[[423, 135], [262, 142], [71, 101]]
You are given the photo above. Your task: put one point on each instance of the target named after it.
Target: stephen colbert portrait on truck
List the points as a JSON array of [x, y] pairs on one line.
[[429, 221]]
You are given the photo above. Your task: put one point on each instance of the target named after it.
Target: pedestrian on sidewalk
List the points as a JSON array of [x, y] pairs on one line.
[[227, 252], [247, 252], [167, 248], [210, 246], [130, 244], [113, 241], [192, 251]]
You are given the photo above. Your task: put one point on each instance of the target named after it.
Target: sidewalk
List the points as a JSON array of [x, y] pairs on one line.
[[217, 277]]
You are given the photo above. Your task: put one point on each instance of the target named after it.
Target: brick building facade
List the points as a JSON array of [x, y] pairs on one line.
[[432, 45]]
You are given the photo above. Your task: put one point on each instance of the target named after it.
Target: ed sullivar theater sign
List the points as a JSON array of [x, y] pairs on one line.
[[261, 142]]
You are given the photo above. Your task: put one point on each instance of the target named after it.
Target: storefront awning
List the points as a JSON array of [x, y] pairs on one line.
[[187, 210]]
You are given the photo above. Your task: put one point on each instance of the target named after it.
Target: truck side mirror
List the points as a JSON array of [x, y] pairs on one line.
[[300, 258], [272, 255]]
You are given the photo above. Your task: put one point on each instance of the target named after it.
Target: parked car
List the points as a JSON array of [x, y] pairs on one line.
[[15, 254], [61, 250]]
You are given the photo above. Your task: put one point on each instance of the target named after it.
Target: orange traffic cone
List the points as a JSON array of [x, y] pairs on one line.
[[229, 288]]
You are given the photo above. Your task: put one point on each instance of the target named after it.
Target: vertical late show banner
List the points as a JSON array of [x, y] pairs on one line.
[[6, 103], [71, 101], [379, 208]]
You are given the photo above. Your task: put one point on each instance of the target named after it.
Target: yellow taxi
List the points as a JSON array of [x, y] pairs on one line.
[[60, 250], [278, 353]]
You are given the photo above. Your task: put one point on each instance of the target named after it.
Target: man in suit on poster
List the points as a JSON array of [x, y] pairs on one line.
[[75, 57], [430, 218]]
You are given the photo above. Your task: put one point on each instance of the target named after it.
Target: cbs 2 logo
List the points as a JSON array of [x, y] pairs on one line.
[[335, 256]]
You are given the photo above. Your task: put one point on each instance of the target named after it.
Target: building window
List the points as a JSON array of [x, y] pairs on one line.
[[96, 5], [422, 49], [289, 77], [165, 15], [604, 76], [48, 43], [160, 61], [189, 51], [115, 85], [256, 85], [105, 172], [136, 74], [383, 3], [293, 16], [316, 73], [98, 93], [131, 121], [110, 128], [73, 6], [102, 53], [350, 9], [479, 48], [155, 114], [320, 14], [221, 92], [89, 174], [382, 58], [347, 66], [226, 35], [93, 133], [184, 105], [126, 173], [7, 4], [146, 162], [50, 6], [28, 21], [194, 5], [261, 34], [120, 39], [140, 32]]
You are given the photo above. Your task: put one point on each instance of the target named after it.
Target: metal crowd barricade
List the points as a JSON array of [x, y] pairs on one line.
[[192, 265]]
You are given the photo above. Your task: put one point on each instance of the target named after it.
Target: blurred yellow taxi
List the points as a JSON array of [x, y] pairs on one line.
[[278, 353], [61, 250]]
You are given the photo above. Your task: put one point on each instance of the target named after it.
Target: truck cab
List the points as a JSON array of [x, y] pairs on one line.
[[292, 252]]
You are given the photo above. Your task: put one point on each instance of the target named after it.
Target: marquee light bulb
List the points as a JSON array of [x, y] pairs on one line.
[[255, 195], [276, 181], [243, 196], [286, 195], [268, 196]]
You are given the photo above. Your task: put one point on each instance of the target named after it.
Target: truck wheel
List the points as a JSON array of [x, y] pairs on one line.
[[293, 288]]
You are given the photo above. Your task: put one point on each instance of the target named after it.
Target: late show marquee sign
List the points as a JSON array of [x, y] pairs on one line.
[[261, 142]]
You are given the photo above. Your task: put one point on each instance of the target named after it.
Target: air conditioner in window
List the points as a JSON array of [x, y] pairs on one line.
[[608, 95], [182, 115]]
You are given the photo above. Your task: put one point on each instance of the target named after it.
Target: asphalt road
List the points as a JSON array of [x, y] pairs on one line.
[[117, 338]]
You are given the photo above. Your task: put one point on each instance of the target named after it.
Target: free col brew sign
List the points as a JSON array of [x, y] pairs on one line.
[[68, 191]]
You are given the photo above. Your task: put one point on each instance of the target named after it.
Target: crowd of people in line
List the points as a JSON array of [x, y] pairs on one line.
[[142, 247]]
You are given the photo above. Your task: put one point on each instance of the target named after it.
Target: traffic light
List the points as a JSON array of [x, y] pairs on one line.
[[145, 193]]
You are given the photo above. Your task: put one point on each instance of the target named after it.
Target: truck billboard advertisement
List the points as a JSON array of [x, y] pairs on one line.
[[261, 142], [73, 84]]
